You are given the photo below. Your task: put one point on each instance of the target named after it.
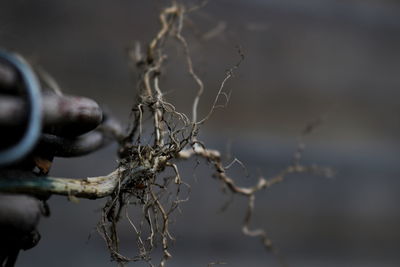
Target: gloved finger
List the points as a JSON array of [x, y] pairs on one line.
[[12, 111], [18, 213], [63, 115], [59, 146], [8, 77], [19, 217], [70, 115], [72, 147]]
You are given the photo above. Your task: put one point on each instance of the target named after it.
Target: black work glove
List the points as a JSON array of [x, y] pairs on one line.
[[65, 126]]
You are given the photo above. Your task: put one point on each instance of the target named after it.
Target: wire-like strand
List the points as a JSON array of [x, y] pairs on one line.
[[34, 124]]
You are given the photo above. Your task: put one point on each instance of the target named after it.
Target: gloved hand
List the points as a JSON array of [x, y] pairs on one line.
[[19, 217], [37, 123]]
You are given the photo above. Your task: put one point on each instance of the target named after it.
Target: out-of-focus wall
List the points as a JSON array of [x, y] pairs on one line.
[[303, 59]]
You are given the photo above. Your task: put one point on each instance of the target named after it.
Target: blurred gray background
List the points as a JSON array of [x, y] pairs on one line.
[[339, 60]]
